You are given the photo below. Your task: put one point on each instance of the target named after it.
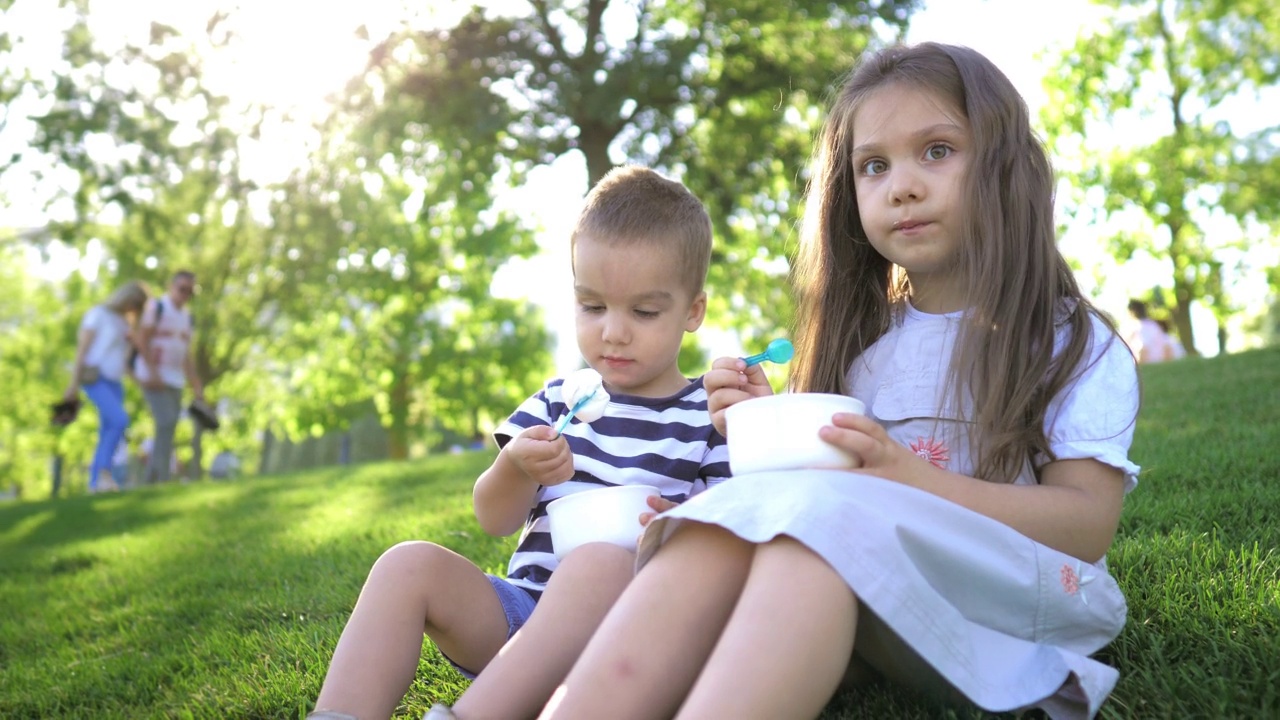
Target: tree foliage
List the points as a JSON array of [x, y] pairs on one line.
[[159, 166], [364, 278], [402, 310], [1176, 67], [724, 95]]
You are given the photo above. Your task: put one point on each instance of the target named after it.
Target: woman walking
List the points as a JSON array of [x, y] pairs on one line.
[[102, 353]]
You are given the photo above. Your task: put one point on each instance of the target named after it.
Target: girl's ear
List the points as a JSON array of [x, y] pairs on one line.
[[697, 313]]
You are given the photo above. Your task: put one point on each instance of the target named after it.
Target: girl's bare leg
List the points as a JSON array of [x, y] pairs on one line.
[[519, 681], [785, 648], [413, 588], [651, 645]]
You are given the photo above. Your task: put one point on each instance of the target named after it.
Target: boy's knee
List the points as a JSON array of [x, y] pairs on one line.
[[417, 564], [410, 557]]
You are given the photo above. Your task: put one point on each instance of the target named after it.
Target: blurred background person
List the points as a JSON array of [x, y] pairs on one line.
[[1173, 346], [120, 462], [102, 354], [1145, 338], [164, 367]]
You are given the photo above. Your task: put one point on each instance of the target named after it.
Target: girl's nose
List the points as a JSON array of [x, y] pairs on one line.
[[905, 186]]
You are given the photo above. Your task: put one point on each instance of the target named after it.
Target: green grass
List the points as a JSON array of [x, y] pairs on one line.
[[225, 600]]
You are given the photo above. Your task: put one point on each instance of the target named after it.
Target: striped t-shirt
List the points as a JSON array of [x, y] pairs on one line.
[[665, 442]]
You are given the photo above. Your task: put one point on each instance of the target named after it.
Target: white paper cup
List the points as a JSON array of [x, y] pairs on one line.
[[610, 514], [780, 432]]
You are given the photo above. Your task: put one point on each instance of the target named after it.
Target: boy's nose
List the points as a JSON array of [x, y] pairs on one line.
[[614, 329]]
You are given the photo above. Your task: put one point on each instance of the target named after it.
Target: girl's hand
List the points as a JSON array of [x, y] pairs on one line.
[[542, 455], [730, 381], [659, 505], [873, 451]]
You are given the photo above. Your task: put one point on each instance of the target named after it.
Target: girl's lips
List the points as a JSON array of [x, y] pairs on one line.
[[910, 227]]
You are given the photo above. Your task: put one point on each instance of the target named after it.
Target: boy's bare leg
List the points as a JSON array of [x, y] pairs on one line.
[[652, 644], [519, 681], [413, 588], [785, 648]]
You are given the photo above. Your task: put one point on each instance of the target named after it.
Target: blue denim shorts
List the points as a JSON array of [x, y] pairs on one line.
[[517, 604]]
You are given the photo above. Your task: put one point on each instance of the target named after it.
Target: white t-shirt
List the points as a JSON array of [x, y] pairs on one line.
[[109, 349], [901, 378], [169, 343]]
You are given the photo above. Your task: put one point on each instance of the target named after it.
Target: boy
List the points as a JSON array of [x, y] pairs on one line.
[[640, 252]]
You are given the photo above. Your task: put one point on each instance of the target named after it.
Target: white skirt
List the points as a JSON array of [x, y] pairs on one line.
[[1008, 622]]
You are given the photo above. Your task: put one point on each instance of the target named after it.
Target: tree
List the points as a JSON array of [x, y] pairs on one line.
[[1176, 66], [725, 95], [399, 202]]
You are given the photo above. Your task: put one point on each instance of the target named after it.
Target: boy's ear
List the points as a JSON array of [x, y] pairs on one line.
[[697, 313]]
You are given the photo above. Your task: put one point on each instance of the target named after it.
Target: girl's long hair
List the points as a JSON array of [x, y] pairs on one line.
[[1018, 286]]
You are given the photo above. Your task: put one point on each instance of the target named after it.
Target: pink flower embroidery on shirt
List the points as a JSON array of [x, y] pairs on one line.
[[1070, 582], [1074, 580], [931, 450]]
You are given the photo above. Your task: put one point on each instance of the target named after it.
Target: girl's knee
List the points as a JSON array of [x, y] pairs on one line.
[[711, 538], [598, 560]]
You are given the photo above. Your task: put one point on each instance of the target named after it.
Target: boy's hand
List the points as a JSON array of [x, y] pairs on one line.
[[659, 505], [542, 455], [730, 381]]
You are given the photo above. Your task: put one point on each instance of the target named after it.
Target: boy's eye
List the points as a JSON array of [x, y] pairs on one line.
[[647, 314], [589, 308], [874, 167], [937, 152]]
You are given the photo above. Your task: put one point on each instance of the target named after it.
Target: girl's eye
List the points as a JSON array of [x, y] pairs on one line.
[[937, 152], [874, 167]]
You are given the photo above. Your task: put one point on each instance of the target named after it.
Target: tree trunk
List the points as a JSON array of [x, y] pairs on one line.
[[195, 470], [268, 447], [1182, 317], [57, 475], [398, 437], [594, 143]]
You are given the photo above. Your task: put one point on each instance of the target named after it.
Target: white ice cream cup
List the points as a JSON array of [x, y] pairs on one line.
[[780, 432], [610, 514]]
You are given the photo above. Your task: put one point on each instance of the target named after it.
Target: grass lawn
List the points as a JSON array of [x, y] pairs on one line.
[[225, 599]]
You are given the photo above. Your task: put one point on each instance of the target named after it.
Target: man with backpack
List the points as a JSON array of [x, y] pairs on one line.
[[164, 367]]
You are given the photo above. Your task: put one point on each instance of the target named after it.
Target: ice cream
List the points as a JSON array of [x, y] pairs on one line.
[[583, 391]]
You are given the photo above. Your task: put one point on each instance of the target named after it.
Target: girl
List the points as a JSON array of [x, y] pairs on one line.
[[965, 554], [102, 351]]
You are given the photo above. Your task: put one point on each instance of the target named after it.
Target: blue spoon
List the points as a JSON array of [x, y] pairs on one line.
[[778, 351], [568, 417]]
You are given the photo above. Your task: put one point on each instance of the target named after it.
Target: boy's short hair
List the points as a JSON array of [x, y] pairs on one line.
[[634, 205]]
